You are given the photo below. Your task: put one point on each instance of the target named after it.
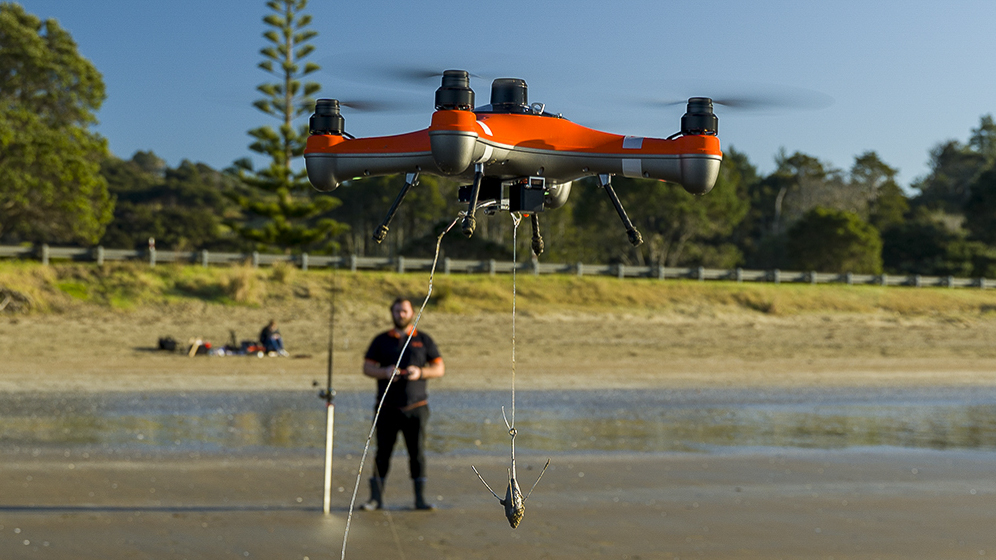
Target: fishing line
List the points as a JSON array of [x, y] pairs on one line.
[[516, 219], [380, 405], [514, 501]]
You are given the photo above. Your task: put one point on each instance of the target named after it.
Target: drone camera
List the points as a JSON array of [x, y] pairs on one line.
[[327, 119], [454, 94], [699, 120]]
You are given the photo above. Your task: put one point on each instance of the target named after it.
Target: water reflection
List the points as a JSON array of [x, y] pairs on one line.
[[548, 421]]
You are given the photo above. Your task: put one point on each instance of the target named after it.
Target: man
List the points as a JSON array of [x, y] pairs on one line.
[[271, 340], [406, 408]]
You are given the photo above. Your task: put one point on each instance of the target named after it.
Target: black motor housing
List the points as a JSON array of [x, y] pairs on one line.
[[699, 119], [509, 95], [454, 93], [327, 119]]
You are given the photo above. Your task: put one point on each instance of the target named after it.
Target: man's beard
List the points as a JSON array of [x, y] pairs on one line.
[[401, 324]]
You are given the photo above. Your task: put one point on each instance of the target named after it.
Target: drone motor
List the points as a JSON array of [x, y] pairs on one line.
[[454, 94], [327, 119], [699, 118], [509, 95]]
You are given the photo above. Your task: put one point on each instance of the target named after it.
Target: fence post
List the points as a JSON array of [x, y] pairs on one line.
[[493, 267], [701, 273], [44, 254], [580, 267], [401, 265], [812, 277], [100, 255], [352, 263], [205, 258], [776, 276], [535, 264], [446, 265], [982, 283], [740, 275], [849, 278], [152, 257], [950, 281], [885, 279], [621, 271], [916, 280], [255, 259], [661, 272]]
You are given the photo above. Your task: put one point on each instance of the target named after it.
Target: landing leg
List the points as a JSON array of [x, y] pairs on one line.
[[634, 236], [469, 222], [537, 238], [411, 179]]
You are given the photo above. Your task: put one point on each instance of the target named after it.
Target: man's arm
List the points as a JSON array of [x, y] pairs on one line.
[[377, 371]]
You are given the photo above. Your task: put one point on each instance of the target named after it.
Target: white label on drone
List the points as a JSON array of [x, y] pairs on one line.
[[633, 143], [632, 168], [488, 152], [486, 129]]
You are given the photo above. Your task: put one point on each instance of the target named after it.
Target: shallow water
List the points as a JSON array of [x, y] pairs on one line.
[[547, 421]]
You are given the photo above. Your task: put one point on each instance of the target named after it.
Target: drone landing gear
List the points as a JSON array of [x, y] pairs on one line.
[[635, 238], [537, 238], [411, 179], [469, 222]]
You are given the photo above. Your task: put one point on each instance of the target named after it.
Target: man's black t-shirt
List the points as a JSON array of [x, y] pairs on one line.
[[385, 349]]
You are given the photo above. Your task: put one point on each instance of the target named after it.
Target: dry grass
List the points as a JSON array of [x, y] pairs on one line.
[[68, 286]]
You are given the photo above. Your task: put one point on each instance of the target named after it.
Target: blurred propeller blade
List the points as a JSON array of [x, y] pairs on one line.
[[390, 75], [380, 106], [785, 98]]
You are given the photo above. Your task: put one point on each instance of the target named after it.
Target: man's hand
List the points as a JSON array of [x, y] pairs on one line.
[[414, 373]]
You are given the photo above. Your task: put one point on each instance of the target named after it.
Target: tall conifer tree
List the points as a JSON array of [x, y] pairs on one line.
[[286, 213]]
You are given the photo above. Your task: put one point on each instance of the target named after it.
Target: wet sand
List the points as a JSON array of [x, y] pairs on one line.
[[766, 504], [763, 503]]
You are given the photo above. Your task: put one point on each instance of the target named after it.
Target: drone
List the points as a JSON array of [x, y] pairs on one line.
[[511, 155]]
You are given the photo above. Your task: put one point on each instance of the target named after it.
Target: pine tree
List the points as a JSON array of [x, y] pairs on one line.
[[286, 213]]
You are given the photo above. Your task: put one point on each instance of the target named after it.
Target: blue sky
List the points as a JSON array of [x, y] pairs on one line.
[[903, 75]]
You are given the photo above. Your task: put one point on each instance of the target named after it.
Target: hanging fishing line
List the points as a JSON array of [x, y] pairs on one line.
[[514, 501], [380, 404], [516, 219]]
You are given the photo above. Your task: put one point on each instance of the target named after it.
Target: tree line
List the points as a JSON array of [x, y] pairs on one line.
[[60, 185]]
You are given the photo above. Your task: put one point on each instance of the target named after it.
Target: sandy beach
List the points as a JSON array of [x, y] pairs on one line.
[[757, 503], [113, 351]]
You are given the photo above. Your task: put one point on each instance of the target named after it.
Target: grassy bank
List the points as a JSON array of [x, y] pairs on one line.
[[67, 287]]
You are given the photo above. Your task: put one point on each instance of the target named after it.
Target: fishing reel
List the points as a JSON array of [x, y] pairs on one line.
[[327, 395]]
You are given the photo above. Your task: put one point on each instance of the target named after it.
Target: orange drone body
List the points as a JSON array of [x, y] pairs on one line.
[[512, 147]]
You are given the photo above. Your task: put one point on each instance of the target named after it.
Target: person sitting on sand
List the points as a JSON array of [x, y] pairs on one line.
[[271, 340]]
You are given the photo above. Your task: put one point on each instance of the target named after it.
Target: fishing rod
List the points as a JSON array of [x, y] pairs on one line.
[[328, 395]]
